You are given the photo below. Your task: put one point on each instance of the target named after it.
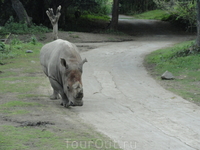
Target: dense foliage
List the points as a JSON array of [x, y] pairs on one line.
[[136, 6], [181, 11], [37, 10], [21, 28]]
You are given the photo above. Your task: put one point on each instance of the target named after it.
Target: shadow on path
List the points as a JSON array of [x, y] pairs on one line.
[[142, 27]]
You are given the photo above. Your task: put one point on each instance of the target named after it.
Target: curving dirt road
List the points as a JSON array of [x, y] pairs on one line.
[[123, 102]]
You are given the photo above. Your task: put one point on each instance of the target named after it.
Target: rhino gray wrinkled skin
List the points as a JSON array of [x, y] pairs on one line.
[[62, 64]]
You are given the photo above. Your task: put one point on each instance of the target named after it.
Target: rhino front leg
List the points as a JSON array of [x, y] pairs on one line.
[[65, 103], [55, 95], [57, 89]]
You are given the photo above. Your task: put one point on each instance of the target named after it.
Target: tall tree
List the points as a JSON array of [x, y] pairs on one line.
[[21, 12], [198, 23], [115, 15]]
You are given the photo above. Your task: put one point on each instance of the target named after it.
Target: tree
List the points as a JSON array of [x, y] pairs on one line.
[[198, 23], [21, 12], [54, 20], [115, 15]]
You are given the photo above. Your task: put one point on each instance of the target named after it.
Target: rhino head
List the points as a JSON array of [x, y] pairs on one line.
[[72, 85]]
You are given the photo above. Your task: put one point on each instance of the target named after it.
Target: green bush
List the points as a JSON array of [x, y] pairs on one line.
[[2, 47], [183, 12], [186, 11], [4, 52], [33, 40], [15, 41], [22, 28], [86, 23], [132, 7], [97, 7]]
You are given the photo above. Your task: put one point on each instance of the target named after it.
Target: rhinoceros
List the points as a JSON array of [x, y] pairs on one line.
[[62, 64]]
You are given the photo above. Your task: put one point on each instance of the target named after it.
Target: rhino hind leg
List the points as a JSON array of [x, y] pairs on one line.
[[55, 94], [45, 70]]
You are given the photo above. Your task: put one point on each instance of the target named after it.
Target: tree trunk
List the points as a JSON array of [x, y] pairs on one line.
[[198, 23], [21, 12], [54, 20], [115, 15]]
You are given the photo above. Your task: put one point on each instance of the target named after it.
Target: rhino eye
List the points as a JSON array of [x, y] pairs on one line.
[[68, 88]]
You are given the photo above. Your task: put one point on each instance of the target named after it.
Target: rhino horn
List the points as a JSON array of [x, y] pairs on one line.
[[64, 63]]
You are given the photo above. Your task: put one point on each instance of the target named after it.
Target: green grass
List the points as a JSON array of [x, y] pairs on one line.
[[18, 49], [19, 77], [153, 14], [19, 72], [16, 107], [18, 84], [18, 104], [23, 138], [9, 112], [23, 96], [91, 17], [165, 60], [26, 137], [186, 69]]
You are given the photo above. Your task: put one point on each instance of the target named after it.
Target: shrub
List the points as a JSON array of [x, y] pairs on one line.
[[22, 28], [2, 47], [3, 52], [33, 40], [184, 12], [15, 40]]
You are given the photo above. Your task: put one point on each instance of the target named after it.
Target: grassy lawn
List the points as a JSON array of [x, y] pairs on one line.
[[185, 67], [153, 14], [34, 138]]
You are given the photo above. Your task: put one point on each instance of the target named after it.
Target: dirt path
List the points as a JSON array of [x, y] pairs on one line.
[[125, 103]]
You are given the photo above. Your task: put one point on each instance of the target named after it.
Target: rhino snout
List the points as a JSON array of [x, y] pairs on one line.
[[80, 103], [79, 95]]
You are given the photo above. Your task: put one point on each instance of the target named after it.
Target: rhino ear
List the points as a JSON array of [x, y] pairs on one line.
[[81, 64], [63, 62], [85, 60]]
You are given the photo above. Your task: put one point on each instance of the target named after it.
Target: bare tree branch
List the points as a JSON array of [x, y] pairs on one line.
[[54, 20]]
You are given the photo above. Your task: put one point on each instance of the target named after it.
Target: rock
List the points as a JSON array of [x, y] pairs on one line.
[[29, 51], [167, 76]]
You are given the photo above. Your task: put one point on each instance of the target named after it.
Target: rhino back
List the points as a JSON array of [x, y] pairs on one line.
[[52, 52]]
